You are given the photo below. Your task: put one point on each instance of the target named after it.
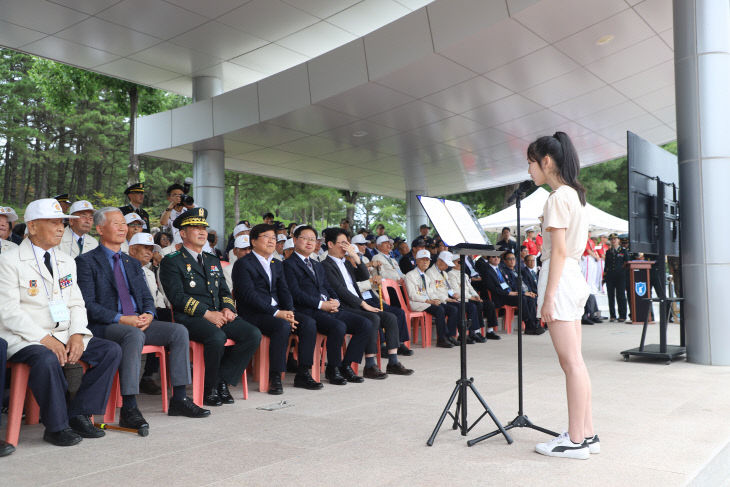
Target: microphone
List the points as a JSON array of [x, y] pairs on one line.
[[524, 187]]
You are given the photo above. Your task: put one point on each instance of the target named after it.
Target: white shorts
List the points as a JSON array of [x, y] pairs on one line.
[[572, 294]]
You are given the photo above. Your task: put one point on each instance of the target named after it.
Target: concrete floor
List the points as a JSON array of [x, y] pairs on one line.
[[659, 425]]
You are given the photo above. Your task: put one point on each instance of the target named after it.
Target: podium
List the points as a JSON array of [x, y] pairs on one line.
[[639, 289]]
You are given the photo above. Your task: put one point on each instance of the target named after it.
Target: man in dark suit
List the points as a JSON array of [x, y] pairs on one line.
[[529, 273], [314, 297], [120, 308], [263, 299], [503, 288], [408, 262], [344, 269], [196, 288]]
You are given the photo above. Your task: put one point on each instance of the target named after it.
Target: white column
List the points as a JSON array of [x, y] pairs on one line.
[[209, 165], [702, 79], [415, 216]]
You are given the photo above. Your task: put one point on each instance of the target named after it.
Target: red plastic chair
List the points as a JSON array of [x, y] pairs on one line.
[[414, 319], [115, 398], [197, 352], [509, 315], [20, 395], [261, 359]]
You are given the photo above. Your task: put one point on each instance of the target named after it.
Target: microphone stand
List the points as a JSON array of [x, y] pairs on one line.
[[521, 421]]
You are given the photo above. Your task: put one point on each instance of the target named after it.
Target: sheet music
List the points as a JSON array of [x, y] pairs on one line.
[[453, 222]]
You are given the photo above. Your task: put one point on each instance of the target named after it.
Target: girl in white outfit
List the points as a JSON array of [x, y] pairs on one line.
[[562, 289]]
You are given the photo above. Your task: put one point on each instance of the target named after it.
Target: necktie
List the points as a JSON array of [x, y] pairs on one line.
[[124, 297], [499, 275], [47, 261], [425, 288], [309, 265], [80, 241], [200, 261]]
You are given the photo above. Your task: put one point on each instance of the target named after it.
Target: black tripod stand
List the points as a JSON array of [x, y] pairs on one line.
[[464, 384], [521, 421]]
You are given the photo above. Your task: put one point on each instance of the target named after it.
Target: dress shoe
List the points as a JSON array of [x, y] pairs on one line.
[[403, 350], [224, 393], [212, 398], [6, 449], [133, 419], [148, 386], [291, 363], [65, 437], [83, 427], [275, 386], [333, 375], [492, 335], [305, 381], [469, 340], [444, 343], [586, 321], [453, 341], [186, 407], [477, 337], [350, 375], [372, 373], [535, 331], [398, 369]]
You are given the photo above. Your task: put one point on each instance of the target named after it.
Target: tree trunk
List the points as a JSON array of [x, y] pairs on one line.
[[8, 172], [237, 198], [133, 168], [508, 190], [63, 163], [351, 199]]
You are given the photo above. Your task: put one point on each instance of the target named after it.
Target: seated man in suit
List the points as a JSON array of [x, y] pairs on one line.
[[120, 308], [200, 298], [424, 297], [43, 321], [313, 296], [503, 287], [76, 239], [485, 307], [263, 299], [344, 268], [408, 261]]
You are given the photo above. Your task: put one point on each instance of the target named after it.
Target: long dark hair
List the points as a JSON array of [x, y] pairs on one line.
[[561, 149]]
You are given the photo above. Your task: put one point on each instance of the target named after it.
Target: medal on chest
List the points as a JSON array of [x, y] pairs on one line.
[[190, 275], [33, 288]]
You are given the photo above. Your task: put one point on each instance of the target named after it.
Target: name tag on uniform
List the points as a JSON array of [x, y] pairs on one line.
[[59, 310], [504, 285], [451, 293]]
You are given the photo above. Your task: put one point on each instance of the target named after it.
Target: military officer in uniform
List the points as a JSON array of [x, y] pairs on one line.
[[194, 284], [43, 320], [76, 239], [135, 193], [615, 278], [63, 201]]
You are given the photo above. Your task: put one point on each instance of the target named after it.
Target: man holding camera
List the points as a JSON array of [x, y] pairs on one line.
[[179, 203], [135, 193]]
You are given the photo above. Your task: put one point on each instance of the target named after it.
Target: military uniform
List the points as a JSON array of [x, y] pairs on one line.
[[616, 280], [192, 290], [136, 188]]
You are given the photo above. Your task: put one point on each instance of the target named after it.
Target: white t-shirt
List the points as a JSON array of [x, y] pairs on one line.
[[563, 210]]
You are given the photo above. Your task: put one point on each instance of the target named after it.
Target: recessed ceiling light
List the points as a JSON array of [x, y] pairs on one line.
[[602, 41], [359, 133]]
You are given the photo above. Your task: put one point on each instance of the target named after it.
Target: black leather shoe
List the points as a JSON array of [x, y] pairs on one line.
[[133, 419], [305, 381], [6, 449], [535, 331], [275, 387], [398, 369], [83, 427], [224, 393], [372, 373], [350, 375], [148, 386], [469, 340], [212, 398], [65, 437], [586, 321], [403, 350], [186, 407], [333, 375], [493, 336], [453, 341], [477, 337], [444, 343]]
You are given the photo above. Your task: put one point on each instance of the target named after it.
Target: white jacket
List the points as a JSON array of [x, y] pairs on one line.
[[24, 314], [417, 293], [157, 295], [6, 245], [69, 245], [439, 283], [455, 281], [389, 267]]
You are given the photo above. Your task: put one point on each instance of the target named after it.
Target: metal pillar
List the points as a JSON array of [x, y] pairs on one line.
[[209, 165], [415, 216], [702, 77]]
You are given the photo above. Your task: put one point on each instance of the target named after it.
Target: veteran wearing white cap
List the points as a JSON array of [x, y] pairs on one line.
[[241, 247], [238, 230], [43, 319], [279, 249], [7, 218], [76, 239], [389, 268], [141, 247], [135, 225], [288, 248]]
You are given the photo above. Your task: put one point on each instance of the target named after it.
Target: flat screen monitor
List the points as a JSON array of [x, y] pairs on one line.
[[653, 198]]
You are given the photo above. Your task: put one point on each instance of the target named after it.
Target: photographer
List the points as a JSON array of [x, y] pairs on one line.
[[179, 203]]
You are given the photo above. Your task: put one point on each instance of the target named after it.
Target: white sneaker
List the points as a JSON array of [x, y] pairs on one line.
[[594, 444], [562, 446]]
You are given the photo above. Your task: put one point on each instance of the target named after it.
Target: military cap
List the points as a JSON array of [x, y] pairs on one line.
[[418, 242], [613, 235], [62, 198], [192, 217], [135, 188]]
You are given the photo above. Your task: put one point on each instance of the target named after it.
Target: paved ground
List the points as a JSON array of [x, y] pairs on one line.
[[659, 425]]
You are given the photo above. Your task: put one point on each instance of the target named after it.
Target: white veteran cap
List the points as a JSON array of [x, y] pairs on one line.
[[9, 213], [46, 208], [133, 217], [383, 238], [447, 257], [423, 254], [81, 205], [359, 239], [289, 244], [280, 238], [241, 227], [242, 242], [144, 239]]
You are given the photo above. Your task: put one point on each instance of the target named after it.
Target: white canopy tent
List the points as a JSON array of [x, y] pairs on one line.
[[532, 208]]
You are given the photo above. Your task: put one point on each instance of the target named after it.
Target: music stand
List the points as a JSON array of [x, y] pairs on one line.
[[465, 237]]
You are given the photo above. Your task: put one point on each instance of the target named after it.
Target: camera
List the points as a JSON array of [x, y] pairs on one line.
[[186, 199]]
